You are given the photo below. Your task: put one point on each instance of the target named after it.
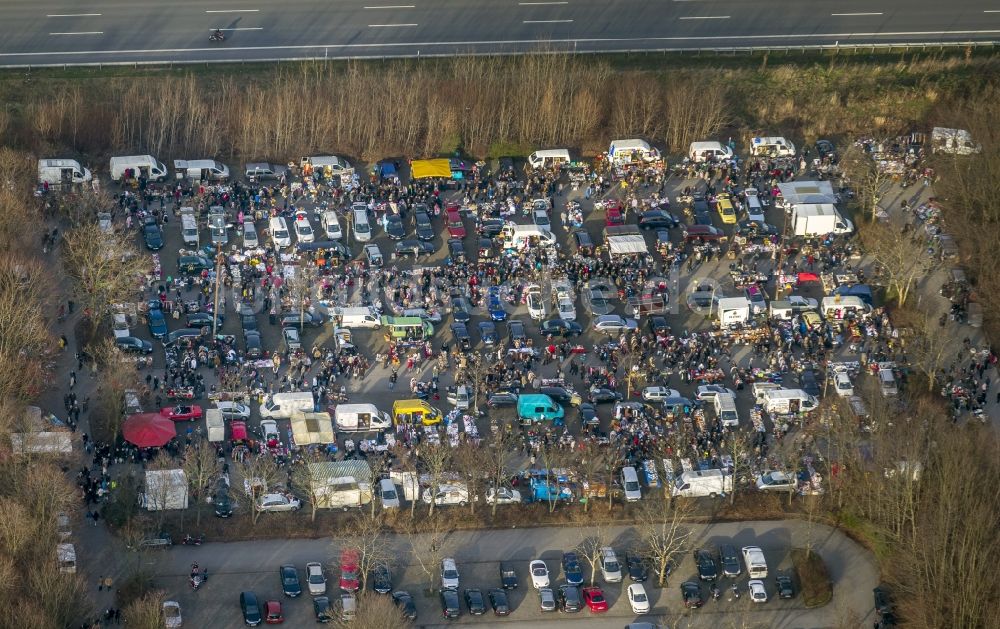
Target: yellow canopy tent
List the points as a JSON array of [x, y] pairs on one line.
[[428, 168]]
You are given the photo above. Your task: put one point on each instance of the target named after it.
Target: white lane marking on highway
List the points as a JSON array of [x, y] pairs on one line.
[[992, 11], [234, 11], [547, 21], [249, 28], [74, 15], [395, 6], [582, 40], [81, 33], [705, 17], [535, 4], [853, 14], [389, 25]]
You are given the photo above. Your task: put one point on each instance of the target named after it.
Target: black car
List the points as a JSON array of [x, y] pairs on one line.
[[488, 332], [290, 581], [223, 503], [560, 394], [570, 599], [461, 334], [707, 571], [255, 349], [322, 609], [603, 395], [475, 601], [657, 218], [405, 603], [394, 227], [702, 218], [808, 383], [583, 242], [571, 568], [248, 320], [134, 345], [588, 414], [306, 319], [203, 320], [691, 593], [508, 576], [658, 325], [883, 601], [784, 585], [450, 604], [826, 148], [381, 578], [194, 264], [490, 227], [456, 250], [461, 309], [423, 226], [181, 335], [250, 608], [502, 398], [499, 602], [515, 331], [561, 327], [636, 564], [152, 235], [415, 248], [751, 229], [333, 248], [730, 560]]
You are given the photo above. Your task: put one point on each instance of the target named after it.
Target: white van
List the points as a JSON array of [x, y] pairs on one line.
[[700, 152], [279, 232], [630, 483], [60, 171], [250, 239], [549, 158], [772, 146], [331, 225], [697, 484], [357, 317], [200, 170], [520, 236], [282, 405], [887, 383], [362, 228], [66, 554], [189, 227], [141, 165], [753, 557], [725, 410], [360, 418], [789, 401], [839, 307], [632, 152]]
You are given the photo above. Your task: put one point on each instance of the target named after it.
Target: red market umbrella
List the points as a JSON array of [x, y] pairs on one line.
[[147, 430]]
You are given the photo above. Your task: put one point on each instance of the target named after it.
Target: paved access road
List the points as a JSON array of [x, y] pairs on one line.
[[116, 31], [254, 565]]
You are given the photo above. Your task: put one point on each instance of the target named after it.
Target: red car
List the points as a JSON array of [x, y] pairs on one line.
[[703, 233], [593, 597], [614, 213], [349, 581], [182, 413], [456, 228], [272, 613]]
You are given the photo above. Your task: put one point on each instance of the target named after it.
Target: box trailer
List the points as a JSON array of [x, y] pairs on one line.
[[216, 425], [164, 490]]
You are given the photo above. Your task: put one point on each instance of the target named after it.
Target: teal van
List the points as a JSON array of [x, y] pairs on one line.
[[536, 407]]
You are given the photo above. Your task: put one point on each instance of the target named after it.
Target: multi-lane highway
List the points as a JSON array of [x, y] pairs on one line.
[[116, 31]]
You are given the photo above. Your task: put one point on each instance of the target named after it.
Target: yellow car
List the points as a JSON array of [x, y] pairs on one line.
[[725, 208]]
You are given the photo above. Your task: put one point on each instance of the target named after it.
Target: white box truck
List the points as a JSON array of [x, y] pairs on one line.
[[695, 484], [733, 311], [360, 418], [788, 401], [216, 425], [141, 166], [819, 219], [282, 405], [62, 171]]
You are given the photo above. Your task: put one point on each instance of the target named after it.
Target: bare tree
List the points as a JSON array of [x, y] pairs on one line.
[[260, 473], [739, 444], [367, 536], [472, 464], [115, 376], [930, 345], [589, 548], [869, 179], [436, 459], [301, 478], [427, 541], [901, 257], [201, 466], [106, 267], [375, 612], [662, 533], [26, 296], [145, 612], [498, 458], [590, 463], [551, 458]]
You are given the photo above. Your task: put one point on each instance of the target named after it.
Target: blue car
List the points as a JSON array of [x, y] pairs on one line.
[[497, 312], [157, 320], [572, 569]]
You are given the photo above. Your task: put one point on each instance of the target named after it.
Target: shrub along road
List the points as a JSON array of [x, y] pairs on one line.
[[253, 565], [60, 32]]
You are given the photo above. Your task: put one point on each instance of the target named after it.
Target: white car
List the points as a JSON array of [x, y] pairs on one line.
[[172, 614], [614, 323], [233, 410], [278, 502], [757, 592], [842, 384], [659, 393], [539, 574], [503, 496], [536, 304], [269, 428], [709, 391], [387, 492], [637, 599], [611, 570], [541, 219], [315, 578], [800, 304], [449, 574], [303, 229]]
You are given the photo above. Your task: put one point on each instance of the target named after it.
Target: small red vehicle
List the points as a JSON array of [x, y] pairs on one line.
[[182, 413], [593, 597]]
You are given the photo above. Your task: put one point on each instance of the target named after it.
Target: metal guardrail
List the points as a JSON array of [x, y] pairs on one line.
[[870, 48]]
